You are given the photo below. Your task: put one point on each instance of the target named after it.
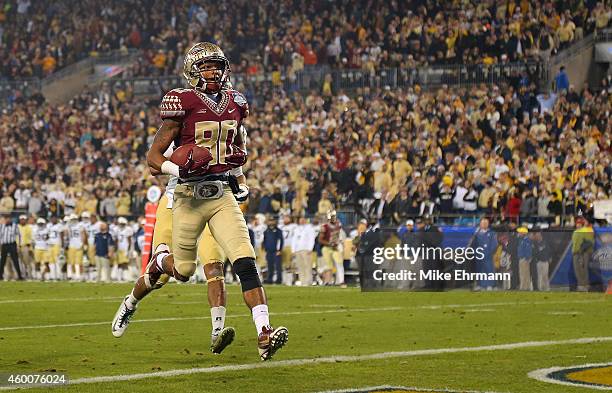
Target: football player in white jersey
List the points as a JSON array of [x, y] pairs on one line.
[[91, 225], [288, 229], [41, 248], [56, 243], [124, 246], [76, 241]]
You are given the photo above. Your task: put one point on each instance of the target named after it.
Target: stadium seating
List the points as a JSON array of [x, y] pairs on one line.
[[506, 151], [43, 36]]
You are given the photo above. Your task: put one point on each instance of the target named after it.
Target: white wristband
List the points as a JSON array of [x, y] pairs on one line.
[[170, 168], [236, 171]]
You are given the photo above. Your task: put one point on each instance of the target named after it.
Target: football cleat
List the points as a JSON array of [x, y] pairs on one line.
[[271, 340], [122, 319], [220, 341]]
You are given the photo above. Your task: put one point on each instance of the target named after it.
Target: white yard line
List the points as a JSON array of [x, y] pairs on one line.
[[542, 375], [522, 303], [92, 298], [344, 310], [390, 387], [330, 359], [565, 313], [59, 299]]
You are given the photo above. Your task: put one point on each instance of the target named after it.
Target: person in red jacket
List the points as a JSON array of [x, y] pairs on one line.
[[513, 207]]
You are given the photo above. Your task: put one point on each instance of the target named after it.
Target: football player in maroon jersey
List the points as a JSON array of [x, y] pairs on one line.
[[330, 237], [208, 115]]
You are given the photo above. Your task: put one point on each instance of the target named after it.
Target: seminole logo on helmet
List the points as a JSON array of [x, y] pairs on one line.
[[199, 54]]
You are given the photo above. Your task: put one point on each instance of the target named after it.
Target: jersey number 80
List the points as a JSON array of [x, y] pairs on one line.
[[215, 135]]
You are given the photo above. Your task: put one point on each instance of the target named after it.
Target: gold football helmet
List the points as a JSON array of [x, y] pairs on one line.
[[195, 57]]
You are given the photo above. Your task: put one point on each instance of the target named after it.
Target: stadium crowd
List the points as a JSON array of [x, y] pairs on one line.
[[501, 150], [39, 37]]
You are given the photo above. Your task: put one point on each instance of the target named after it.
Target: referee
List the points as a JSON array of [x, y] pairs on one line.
[[9, 232]]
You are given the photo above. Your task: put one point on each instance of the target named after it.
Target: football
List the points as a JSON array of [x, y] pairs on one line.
[[201, 156]]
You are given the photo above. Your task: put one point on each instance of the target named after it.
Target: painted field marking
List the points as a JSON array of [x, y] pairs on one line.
[[542, 376], [389, 387], [344, 310], [565, 313], [330, 359]]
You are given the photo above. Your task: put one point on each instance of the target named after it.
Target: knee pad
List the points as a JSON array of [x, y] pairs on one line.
[[247, 272], [184, 270]]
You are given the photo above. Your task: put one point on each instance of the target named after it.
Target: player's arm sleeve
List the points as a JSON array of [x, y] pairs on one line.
[[238, 174]]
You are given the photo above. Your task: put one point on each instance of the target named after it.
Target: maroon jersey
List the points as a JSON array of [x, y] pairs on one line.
[[330, 234], [207, 123]]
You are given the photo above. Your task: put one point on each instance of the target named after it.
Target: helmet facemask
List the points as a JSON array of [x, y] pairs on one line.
[[212, 75]]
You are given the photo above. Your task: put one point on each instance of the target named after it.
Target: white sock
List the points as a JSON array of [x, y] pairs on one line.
[[131, 301], [126, 274], [261, 317], [340, 273], [218, 319]]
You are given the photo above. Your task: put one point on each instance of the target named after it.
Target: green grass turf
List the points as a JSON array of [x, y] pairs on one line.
[[322, 322]]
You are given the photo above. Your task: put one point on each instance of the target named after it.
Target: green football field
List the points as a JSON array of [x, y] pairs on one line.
[[339, 339]]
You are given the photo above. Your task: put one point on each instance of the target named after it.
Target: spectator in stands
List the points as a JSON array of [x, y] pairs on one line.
[[280, 37], [413, 144], [561, 81], [401, 206], [7, 204], [528, 208]]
